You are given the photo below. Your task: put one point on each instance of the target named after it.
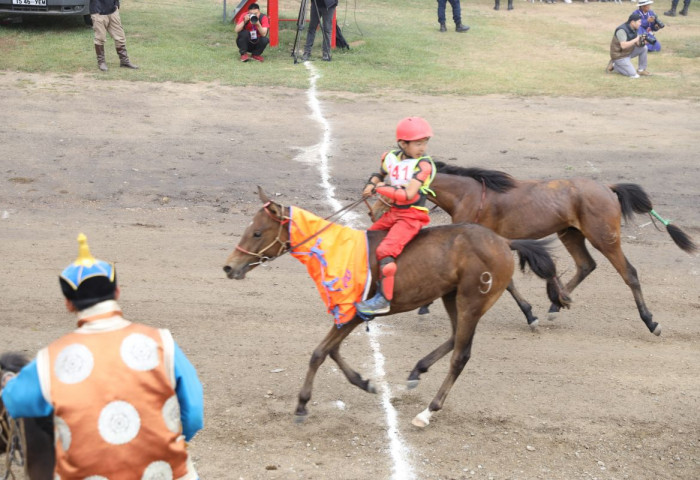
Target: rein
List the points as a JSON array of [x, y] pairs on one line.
[[263, 260], [13, 434]]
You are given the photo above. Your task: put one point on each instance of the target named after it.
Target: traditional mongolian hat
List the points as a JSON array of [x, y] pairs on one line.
[[88, 281]]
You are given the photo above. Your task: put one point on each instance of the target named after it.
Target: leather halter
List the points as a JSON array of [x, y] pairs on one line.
[[263, 259]]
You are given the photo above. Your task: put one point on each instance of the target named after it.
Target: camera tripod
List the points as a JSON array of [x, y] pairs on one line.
[[301, 19]]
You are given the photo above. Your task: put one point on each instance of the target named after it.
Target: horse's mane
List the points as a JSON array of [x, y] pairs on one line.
[[500, 182], [12, 362]]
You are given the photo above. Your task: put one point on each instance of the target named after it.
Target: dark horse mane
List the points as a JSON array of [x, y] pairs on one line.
[[500, 182]]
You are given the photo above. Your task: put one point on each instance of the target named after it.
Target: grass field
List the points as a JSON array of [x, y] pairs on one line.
[[535, 49]]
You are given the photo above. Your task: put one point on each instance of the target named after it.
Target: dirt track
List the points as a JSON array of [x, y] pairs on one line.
[[161, 179]]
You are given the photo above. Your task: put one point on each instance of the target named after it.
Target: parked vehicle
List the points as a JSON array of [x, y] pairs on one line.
[[46, 7]]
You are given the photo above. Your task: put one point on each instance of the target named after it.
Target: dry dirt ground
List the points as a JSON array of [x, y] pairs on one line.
[[161, 178]]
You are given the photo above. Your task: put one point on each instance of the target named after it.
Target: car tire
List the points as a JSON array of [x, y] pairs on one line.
[[88, 20]]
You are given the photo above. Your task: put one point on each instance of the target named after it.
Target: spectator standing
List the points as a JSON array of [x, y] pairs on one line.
[[456, 15], [322, 11], [674, 5], [105, 19]]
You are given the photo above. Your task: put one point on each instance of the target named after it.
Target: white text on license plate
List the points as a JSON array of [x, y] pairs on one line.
[[40, 3]]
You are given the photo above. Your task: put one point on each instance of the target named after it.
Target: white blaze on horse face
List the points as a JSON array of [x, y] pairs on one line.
[[487, 280]]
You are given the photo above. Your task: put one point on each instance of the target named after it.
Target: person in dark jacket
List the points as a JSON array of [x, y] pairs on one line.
[[105, 19], [323, 11]]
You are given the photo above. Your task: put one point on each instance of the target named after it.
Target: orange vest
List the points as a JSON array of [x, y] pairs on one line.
[[116, 413], [336, 261]]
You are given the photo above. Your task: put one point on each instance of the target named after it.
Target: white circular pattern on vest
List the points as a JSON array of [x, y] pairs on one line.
[[139, 352], [74, 364], [171, 414], [63, 434], [119, 422], [158, 470], [96, 477]]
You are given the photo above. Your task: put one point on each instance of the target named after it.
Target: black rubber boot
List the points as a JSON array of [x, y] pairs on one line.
[[459, 27], [443, 27], [497, 5], [510, 4], [672, 12], [686, 4]]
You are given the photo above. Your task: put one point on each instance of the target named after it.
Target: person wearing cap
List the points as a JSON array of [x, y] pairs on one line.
[[650, 24], [251, 34], [123, 396], [626, 44], [404, 178]]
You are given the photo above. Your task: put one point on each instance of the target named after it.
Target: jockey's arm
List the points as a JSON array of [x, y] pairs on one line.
[[400, 194], [22, 395]]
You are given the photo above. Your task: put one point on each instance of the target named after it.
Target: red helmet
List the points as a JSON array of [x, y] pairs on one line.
[[413, 128]]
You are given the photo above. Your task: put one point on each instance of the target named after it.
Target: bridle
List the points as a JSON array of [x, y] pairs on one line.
[[283, 246]]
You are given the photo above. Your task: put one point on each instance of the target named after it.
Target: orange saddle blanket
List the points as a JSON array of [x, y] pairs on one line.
[[336, 260]]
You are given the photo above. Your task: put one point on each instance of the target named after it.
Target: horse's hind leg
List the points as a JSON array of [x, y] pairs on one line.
[[330, 342], [429, 360], [525, 307], [575, 243], [613, 252]]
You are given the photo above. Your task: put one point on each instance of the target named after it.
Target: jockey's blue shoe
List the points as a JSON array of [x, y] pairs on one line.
[[374, 306]]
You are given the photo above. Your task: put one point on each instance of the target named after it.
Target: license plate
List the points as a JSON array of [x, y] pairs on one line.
[[39, 3]]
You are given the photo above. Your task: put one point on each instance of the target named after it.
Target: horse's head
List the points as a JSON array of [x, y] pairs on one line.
[[265, 238]]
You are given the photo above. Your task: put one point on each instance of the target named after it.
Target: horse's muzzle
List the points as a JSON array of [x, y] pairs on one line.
[[236, 273]]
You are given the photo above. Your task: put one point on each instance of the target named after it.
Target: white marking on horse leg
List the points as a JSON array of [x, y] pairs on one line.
[[423, 418]]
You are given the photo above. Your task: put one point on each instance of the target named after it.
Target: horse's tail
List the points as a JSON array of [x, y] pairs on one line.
[[12, 362], [536, 254], [633, 199]]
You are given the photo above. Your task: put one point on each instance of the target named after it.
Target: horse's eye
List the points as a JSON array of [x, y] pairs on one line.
[[257, 234]]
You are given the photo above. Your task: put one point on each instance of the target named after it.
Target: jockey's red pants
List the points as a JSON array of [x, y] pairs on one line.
[[403, 224]]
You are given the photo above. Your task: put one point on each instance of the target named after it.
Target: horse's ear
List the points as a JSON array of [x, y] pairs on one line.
[[262, 195]]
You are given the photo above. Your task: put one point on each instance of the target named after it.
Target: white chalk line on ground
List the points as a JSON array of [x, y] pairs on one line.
[[401, 468]]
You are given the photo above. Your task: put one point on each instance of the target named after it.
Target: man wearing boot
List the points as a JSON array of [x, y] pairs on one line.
[[674, 4], [497, 5], [105, 19], [456, 15]]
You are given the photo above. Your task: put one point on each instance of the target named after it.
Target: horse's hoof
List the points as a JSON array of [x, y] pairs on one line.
[[657, 330], [411, 384], [371, 388], [533, 326], [423, 311], [298, 419], [551, 316], [422, 419]]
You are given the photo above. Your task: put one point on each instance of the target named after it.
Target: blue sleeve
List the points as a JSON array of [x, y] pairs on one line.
[[189, 394], [22, 395]]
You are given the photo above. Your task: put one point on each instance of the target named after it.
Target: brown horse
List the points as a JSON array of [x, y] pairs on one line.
[[466, 265], [575, 209], [36, 450]]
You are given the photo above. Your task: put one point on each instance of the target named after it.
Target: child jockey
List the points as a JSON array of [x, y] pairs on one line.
[[404, 178]]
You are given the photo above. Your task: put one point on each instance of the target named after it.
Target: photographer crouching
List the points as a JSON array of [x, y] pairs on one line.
[[252, 31], [650, 24], [625, 46]]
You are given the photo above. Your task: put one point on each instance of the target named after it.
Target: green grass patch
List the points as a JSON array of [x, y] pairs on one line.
[[536, 49]]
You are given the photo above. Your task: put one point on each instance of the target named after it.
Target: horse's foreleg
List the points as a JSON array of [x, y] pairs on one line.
[[428, 361], [353, 377], [575, 243], [525, 307], [331, 341]]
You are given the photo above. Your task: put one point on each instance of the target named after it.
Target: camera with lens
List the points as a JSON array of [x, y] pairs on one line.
[[658, 24], [648, 38], [253, 19]]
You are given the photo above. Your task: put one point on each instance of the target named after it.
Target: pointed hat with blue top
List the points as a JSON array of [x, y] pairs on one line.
[[88, 281]]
